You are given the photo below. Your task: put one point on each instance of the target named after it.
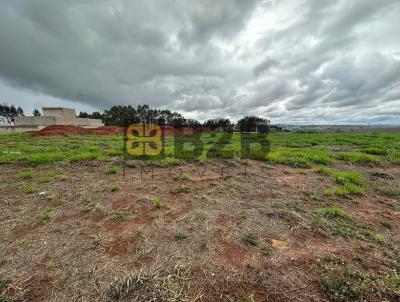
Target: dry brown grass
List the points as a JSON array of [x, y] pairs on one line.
[[117, 246]]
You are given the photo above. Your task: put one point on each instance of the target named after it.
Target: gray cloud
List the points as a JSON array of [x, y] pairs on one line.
[[303, 61]]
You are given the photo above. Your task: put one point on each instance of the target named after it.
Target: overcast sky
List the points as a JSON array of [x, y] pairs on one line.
[[303, 61]]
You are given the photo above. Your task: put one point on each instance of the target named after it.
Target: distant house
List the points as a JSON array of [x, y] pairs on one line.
[[50, 116]]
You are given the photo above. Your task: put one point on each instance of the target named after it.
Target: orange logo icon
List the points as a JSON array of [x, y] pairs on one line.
[[144, 140]]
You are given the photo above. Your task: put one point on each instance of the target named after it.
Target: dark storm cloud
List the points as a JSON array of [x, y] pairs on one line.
[[291, 61]]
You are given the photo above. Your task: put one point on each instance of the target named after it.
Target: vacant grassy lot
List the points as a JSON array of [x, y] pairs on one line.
[[297, 150], [315, 219]]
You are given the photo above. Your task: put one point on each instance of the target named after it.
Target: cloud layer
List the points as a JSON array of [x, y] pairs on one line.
[[307, 61]]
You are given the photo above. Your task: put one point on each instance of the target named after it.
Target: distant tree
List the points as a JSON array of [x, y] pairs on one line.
[[36, 112], [96, 115], [126, 115], [9, 112], [224, 124], [121, 116], [193, 124], [83, 115], [253, 124]]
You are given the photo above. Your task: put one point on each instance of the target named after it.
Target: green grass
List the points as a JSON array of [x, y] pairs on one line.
[[333, 212], [389, 285], [115, 188], [47, 177], [342, 282], [3, 260], [267, 250], [85, 198], [121, 215], [290, 205], [26, 174], [374, 150], [180, 190], [30, 189], [357, 158], [250, 239], [324, 171], [4, 283], [339, 223], [63, 177], [351, 182], [99, 208], [293, 149], [345, 177], [380, 238], [346, 190], [389, 191], [47, 215], [299, 158], [179, 236], [112, 170], [157, 203]]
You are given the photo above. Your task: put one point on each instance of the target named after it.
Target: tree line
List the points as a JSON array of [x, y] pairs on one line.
[[9, 112], [125, 115]]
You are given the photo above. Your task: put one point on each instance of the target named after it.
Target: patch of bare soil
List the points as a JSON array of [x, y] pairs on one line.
[[223, 231]]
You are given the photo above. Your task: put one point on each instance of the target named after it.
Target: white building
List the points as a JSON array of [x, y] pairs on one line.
[[50, 116]]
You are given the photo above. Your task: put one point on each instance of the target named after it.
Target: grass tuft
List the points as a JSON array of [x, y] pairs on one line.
[[389, 191], [30, 189], [112, 170], [179, 236], [180, 189], [250, 238], [115, 188], [340, 223], [157, 203], [380, 239], [47, 215], [26, 174], [357, 158]]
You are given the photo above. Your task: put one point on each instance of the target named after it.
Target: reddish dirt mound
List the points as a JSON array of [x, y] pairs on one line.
[[235, 255], [106, 130], [74, 130]]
